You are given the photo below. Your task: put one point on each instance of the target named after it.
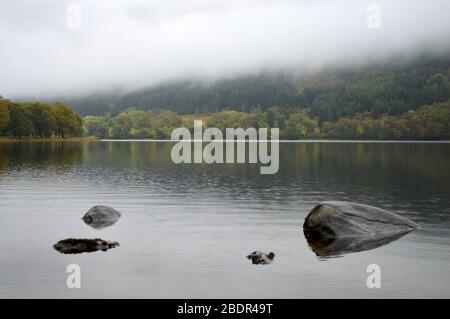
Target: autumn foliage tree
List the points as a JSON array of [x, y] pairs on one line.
[[38, 120], [67, 122], [5, 117]]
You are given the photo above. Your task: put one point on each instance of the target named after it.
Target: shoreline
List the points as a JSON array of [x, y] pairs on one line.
[[4, 139], [280, 141]]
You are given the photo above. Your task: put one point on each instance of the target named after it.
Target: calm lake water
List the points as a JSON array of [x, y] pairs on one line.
[[186, 229]]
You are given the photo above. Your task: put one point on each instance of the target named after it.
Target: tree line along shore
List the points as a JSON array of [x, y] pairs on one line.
[[429, 122], [42, 121], [38, 120]]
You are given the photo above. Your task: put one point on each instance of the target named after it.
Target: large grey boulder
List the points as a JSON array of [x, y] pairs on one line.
[[83, 245], [101, 216], [337, 227]]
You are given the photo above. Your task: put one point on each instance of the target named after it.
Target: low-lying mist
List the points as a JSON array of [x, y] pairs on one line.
[[51, 49]]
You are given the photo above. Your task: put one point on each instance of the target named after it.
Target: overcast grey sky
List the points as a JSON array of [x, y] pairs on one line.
[[136, 43]]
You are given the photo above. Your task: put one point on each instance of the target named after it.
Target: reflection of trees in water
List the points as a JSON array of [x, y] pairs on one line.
[[129, 154], [398, 174], [332, 169], [379, 160], [352, 171], [60, 155], [5, 161]]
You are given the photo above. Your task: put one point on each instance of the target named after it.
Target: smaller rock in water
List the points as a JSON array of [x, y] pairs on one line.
[[260, 258], [83, 245], [99, 217]]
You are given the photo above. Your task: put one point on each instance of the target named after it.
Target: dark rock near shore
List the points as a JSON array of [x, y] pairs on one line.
[[78, 246], [99, 217], [333, 228]]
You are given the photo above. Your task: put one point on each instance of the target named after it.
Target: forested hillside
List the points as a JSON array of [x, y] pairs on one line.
[[385, 101], [391, 89]]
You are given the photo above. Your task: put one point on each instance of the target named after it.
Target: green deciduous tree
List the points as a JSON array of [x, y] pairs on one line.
[[102, 131], [21, 121], [44, 122]]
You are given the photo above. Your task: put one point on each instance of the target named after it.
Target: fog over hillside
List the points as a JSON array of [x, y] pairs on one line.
[[51, 49]]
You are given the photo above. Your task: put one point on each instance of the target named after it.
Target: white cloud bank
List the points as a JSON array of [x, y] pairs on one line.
[[135, 43]]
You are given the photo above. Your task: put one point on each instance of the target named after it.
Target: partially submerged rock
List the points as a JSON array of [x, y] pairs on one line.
[[101, 216], [83, 245], [333, 228], [346, 219], [340, 246]]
